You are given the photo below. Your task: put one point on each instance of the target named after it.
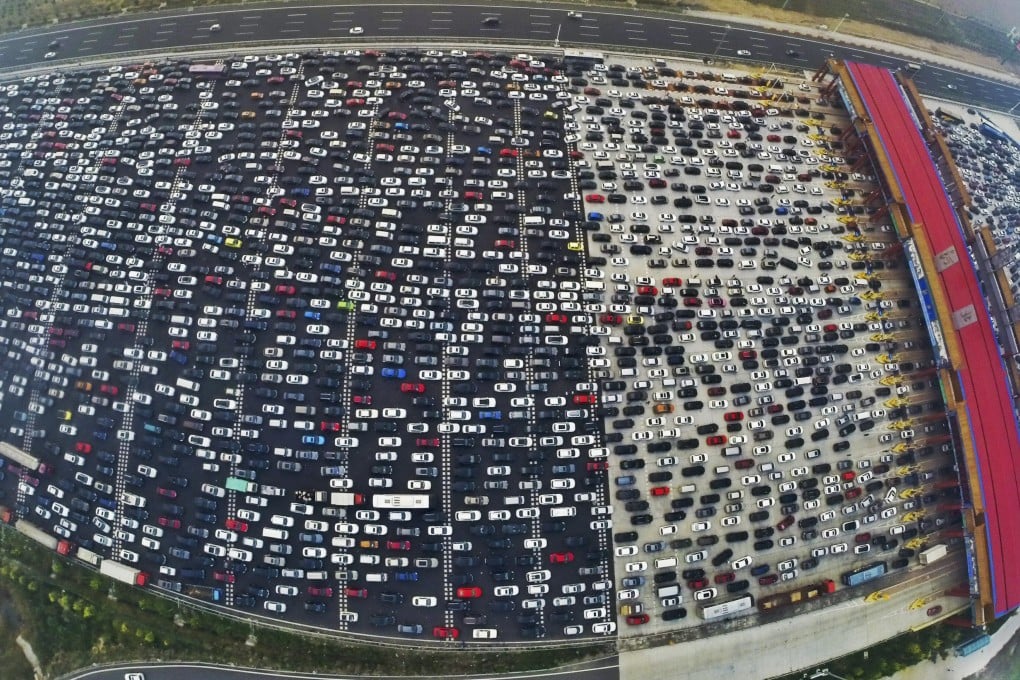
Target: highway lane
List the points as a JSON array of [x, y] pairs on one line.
[[601, 669], [533, 25]]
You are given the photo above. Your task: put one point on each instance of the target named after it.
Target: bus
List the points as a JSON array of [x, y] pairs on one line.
[[721, 609], [864, 574], [402, 501], [18, 456]]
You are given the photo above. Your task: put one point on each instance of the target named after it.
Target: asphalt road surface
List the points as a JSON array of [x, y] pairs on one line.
[[603, 669], [535, 26]]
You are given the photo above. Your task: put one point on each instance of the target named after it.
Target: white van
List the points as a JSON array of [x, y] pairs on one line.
[[186, 384]]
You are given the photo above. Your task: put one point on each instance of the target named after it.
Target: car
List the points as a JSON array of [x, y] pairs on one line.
[[561, 557], [356, 30], [445, 633], [469, 592]]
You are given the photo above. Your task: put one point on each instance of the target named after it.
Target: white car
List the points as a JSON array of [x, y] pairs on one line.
[[705, 594], [356, 30]]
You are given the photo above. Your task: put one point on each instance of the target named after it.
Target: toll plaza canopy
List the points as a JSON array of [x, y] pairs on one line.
[[992, 425]]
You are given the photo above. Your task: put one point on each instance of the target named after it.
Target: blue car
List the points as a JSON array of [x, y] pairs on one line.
[[491, 415], [596, 217], [394, 373], [300, 191], [313, 439], [182, 359], [407, 576], [312, 314]]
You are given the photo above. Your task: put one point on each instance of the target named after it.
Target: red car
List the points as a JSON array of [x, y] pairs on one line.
[[474, 196], [637, 619], [585, 399], [660, 490], [126, 327], [285, 290], [363, 399], [561, 557], [214, 280], [556, 318], [396, 115], [716, 440], [109, 389], [733, 416], [506, 243], [289, 202], [223, 576], [417, 388], [320, 591], [611, 319], [672, 281], [83, 447], [725, 578], [169, 522], [432, 441], [385, 275], [286, 314], [768, 579], [853, 493], [595, 198], [327, 426], [697, 584], [849, 476], [180, 344], [508, 153], [360, 593], [597, 466], [445, 633], [169, 493], [716, 302], [647, 290], [364, 344], [398, 545], [469, 592], [237, 525]]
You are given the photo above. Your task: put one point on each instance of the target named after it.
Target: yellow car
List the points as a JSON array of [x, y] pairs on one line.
[[233, 243], [635, 320], [576, 246]]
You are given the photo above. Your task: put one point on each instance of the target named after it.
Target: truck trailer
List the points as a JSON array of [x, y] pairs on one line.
[[123, 573]]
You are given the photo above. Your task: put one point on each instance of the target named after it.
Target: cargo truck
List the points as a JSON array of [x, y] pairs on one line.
[[341, 498], [778, 600], [40, 536], [205, 593], [123, 573], [241, 485], [932, 554]]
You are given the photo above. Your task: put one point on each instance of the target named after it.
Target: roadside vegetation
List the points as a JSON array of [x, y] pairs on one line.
[[73, 617]]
